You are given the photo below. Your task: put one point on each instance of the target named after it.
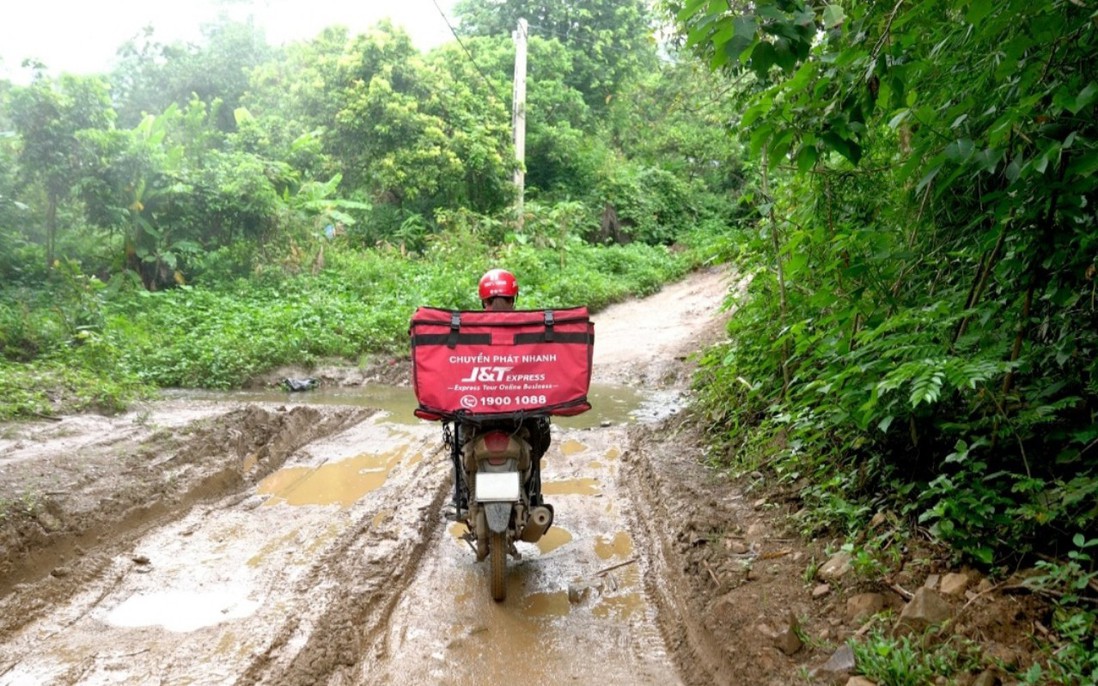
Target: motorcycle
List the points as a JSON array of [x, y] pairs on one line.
[[493, 379], [497, 493]]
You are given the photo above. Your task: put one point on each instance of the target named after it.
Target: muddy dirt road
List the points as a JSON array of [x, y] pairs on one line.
[[248, 540]]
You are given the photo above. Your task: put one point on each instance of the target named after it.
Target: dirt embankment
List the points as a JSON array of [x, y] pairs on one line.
[[222, 542]]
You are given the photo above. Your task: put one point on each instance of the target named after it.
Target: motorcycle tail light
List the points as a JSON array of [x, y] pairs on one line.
[[497, 442]]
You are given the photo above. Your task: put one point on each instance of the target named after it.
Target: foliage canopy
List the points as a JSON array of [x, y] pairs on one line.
[[925, 313]]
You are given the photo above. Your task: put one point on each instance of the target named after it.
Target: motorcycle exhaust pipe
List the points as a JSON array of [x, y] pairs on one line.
[[536, 524]]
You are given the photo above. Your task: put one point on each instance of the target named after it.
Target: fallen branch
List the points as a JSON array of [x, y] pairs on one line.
[[865, 627], [603, 572], [773, 555], [115, 657], [1001, 584], [712, 575]]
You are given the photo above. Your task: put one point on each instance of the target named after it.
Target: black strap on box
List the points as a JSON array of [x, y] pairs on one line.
[[548, 325], [455, 325]]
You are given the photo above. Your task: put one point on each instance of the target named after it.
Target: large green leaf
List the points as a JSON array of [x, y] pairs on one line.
[[849, 149], [832, 16]]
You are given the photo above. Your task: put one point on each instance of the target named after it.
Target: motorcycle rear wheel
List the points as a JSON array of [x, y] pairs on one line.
[[497, 553]]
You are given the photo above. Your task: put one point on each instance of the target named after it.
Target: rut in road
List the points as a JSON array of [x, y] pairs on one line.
[[246, 588]]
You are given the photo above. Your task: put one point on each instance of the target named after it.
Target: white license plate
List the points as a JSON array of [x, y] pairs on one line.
[[494, 487]]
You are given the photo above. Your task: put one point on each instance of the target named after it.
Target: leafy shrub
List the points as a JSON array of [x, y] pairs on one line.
[[652, 204], [1072, 584], [906, 661]]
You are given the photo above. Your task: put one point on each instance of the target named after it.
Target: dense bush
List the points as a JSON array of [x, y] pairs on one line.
[[920, 333]]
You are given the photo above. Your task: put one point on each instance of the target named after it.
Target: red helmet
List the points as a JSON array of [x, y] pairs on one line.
[[498, 282]]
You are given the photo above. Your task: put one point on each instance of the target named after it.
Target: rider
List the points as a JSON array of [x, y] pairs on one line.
[[498, 291]]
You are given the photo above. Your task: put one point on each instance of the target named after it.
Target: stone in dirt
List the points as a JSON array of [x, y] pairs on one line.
[[925, 608], [838, 666], [838, 566], [954, 585], [987, 678], [863, 606], [785, 639]]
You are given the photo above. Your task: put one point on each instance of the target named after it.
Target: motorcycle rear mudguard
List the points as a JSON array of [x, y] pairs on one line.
[[498, 516]]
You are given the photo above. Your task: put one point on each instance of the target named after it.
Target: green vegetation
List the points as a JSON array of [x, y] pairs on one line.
[[920, 331], [1069, 582], [906, 661], [207, 212], [83, 344], [920, 334]]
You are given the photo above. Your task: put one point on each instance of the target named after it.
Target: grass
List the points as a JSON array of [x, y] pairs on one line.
[[911, 661]]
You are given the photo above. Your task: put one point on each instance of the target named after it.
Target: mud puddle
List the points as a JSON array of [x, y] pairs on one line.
[[611, 404]]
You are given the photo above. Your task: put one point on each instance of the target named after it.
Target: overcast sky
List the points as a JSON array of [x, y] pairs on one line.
[[81, 36]]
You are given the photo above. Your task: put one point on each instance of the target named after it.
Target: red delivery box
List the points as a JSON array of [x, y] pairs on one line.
[[479, 364]]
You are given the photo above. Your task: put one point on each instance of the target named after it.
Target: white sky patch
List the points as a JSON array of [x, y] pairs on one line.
[[81, 37]]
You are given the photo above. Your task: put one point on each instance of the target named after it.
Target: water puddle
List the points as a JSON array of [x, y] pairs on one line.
[[554, 538], [291, 547], [619, 546], [572, 447], [227, 644], [182, 611], [332, 483], [571, 487], [269, 548], [619, 606], [380, 517], [610, 405], [551, 604]]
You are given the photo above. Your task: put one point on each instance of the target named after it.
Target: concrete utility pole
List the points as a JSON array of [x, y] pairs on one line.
[[518, 115]]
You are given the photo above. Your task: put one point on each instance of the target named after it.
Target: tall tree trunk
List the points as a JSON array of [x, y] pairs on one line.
[[784, 302], [51, 231]]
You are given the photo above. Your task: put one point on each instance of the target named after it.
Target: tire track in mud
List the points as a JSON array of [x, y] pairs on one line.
[[48, 622], [204, 461], [658, 519], [354, 587], [576, 610], [349, 594]]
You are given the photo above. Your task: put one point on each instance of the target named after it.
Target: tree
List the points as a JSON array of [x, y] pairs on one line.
[[680, 118], [611, 40], [409, 134], [151, 76], [48, 116]]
